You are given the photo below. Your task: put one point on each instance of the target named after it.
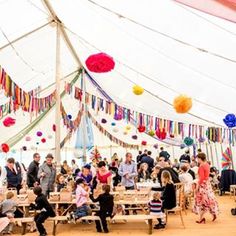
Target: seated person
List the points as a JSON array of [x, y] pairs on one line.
[[143, 173]]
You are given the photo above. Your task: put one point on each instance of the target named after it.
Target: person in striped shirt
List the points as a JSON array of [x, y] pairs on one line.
[[155, 208]]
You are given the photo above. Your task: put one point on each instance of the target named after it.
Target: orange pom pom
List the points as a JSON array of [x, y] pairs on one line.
[[182, 104]]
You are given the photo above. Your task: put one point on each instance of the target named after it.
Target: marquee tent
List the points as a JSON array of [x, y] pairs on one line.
[[164, 46]]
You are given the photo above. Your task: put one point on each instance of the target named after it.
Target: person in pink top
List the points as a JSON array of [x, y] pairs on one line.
[[205, 199], [103, 175], [81, 194]]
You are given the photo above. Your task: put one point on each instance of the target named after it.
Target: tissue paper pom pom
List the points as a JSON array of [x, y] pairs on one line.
[[128, 127], [104, 121], [138, 90], [144, 143], [69, 117], [54, 128], [134, 137], [43, 140], [100, 63], [24, 148], [125, 132], [8, 121], [115, 130], [141, 128], [230, 120], [5, 148], [13, 151], [182, 104], [39, 133], [182, 146], [27, 138], [151, 132], [113, 124], [188, 141], [155, 146], [172, 135], [37, 143]]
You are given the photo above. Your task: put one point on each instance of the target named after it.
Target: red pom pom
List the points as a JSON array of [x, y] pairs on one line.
[[5, 147], [54, 128], [9, 121], [43, 140], [100, 63], [172, 135], [161, 134], [141, 128], [144, 143]]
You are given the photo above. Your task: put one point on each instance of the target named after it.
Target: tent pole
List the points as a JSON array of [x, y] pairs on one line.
[[58, 98], [84, 119]]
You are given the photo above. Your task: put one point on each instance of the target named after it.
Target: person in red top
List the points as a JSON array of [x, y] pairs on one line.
[[103, 175], [205, 199]]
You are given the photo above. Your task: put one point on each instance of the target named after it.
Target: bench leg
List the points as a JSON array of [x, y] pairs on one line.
[[54, 228], [150, 226], [23, 228]]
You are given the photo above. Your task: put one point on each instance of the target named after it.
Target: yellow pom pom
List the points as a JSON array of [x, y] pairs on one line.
[[128, 127], [138, 90], [182, 104]]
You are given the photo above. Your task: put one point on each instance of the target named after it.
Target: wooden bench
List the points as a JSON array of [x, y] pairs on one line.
[[149, 218], [24, 221]]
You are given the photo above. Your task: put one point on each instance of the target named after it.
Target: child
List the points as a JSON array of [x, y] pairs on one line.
[[169, 194], [106, 202], [155, 208], [8, 208], [60, 182], [81, 194], [41, 203]]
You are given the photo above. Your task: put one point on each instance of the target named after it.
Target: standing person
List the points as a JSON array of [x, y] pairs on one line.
[[14, 174], [47, 175], [106, 203], [32, 174], [185, 157], [103, 175], [128, 172], [149, 160], [205, 199], [164, 154], [74, 166], [41, 203], [138, 159]]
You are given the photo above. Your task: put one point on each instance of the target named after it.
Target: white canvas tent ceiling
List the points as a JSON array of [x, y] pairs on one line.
[[163, 66]]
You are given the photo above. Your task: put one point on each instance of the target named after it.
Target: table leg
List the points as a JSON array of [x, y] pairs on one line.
[[150, 226]]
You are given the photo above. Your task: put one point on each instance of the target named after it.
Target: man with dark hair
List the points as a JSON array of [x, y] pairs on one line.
[[41, 203], [47, 175], [148, 160], [185, 157], [139, 158], [14, 174], [164, 154], [32, 174]]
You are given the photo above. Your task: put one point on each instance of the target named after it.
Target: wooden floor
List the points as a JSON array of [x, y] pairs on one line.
[[224, 225]]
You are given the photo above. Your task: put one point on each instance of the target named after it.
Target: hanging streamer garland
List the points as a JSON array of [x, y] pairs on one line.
[[177, 129], [28, 101], [100, 63], [110, 136]]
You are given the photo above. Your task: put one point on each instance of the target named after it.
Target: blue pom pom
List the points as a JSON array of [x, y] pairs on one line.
[[188, 141], [113, 124], [69, 117], [230, 120]]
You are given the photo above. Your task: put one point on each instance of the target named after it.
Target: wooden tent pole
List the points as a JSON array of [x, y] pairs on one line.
[[58, 97]]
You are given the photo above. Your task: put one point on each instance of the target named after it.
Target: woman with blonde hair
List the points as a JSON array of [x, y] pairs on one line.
[[169, 193]]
